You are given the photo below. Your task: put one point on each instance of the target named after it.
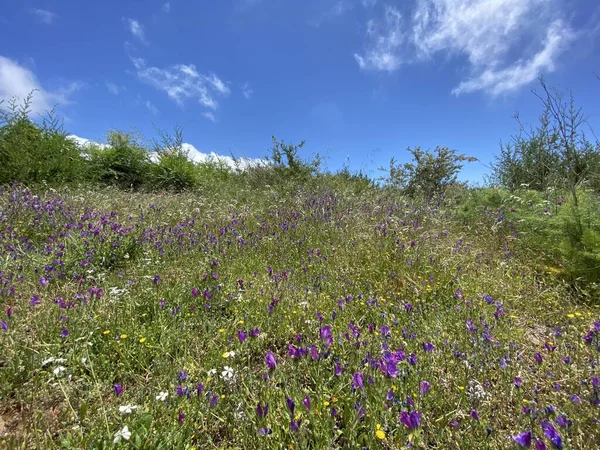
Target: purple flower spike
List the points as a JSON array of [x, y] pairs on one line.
[[411, 420], [306, 402], [241, 335], [181, 417], [262, 411], [523, 439], [424, 387], [539, 445], [290, 404], [294, 425], [270, 360], [552, 434], [474, 414], [518, 381], [357, 380], [118, 390], [428, 346], [326, 335]]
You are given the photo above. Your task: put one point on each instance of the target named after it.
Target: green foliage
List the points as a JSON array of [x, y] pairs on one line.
[[123, 163], [428, 173], [36, 153], [173, 169]]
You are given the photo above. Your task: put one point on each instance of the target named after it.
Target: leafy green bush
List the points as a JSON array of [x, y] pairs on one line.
[[124, 162], [173, 169], [428, 173], [36, 153]]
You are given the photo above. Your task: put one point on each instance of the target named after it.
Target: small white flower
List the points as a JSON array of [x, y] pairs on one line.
[[127, 409], [230, 354], [211, 372], [59, 370], [122, 434], [162, 396], [227, 373], [47, 361]]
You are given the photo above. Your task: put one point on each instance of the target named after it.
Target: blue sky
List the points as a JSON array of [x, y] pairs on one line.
[[359, 80]]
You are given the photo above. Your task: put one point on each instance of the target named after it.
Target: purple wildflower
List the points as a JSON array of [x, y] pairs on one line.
[[539, 445], [428, 346], [262, 411], [411, 420], [552, 434], [306, 402], [182, 375], [518, 381], [241, 335], [4, 325], [523, 439], [213, 400], [254, 332], [270, 360], [64, 333], [474, 414], [357, 380], [118, 390], [295, 424], [337, 371], [326, 335], [264, 431], [538, 358], [290, 404], [181, 417], [424, 387]]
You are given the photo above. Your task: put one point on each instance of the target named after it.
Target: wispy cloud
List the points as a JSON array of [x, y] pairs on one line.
[[210, 116], [137, 30], [247, 91], [113, 88], [166, 7], [183, 81], [507, 43], [386, 40], [18, 81], [44, 16], [153, 109], [330, 10]]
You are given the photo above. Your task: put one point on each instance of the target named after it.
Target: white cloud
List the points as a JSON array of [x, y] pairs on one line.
[[153, 109], [45, 16], [522, 72], [210, 116], [368, 3], [506, 43], [182, 82], [113, 88], [83, 142], [18, 81], [386, 41], [243, 163], [166, 7], [247, 90], [137, 30], [192, 152]]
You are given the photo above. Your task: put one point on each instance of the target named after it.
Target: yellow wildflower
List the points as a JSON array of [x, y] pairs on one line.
[[380, 433], [105, 332], [142, 340], [123, 336]]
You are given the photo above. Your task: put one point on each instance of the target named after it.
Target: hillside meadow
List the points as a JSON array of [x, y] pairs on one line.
[[327, 314]]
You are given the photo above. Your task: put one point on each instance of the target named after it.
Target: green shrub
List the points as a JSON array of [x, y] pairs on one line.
[[36, 153], [123, 163], [429, 173]]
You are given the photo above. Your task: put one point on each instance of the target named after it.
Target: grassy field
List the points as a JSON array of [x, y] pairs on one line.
[[322, 318]]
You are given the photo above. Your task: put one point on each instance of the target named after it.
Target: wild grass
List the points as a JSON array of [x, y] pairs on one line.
[[334, 315]]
